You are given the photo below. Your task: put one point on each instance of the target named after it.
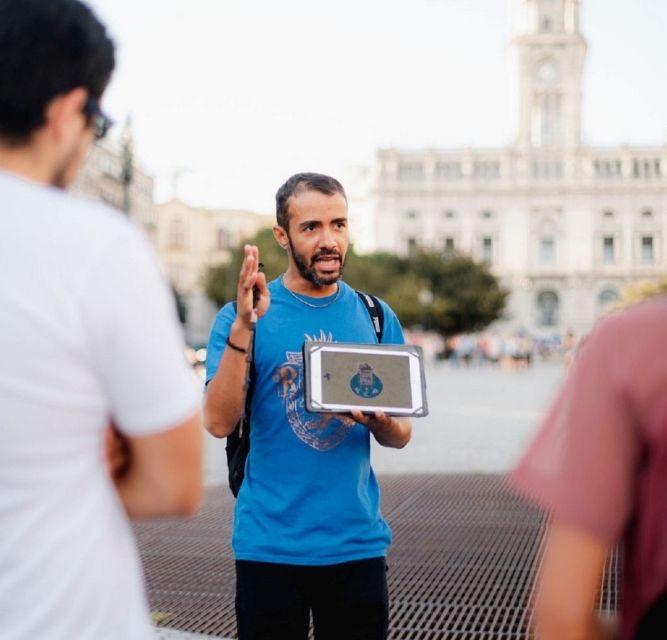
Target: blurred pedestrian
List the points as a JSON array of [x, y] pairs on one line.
[[599, 465], [88, 337], [568, 347]]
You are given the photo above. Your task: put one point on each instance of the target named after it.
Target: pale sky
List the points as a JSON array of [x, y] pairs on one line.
[[237, 95]]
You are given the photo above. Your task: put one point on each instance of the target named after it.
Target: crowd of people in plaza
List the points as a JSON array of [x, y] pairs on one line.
[[508, 351]]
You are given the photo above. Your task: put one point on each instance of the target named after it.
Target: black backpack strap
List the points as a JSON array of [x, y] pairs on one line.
[[237, 446], [251, 381], [375, 311]]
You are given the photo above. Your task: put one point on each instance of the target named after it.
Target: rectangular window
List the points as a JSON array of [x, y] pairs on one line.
[[448, 170], [449, 245], [410, 171], [608, 253], [547, 251], [647, 250], [487, 250], [412, 246], [486, 170], [548, 169]]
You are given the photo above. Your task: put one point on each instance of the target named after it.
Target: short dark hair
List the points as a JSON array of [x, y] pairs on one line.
[[303, 182], [47, 48]]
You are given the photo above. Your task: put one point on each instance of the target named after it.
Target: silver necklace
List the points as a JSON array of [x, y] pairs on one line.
[[305, 302]]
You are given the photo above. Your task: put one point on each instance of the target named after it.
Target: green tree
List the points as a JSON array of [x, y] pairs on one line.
[[220, 281], [636, 292], [374, 273], [467, 297]]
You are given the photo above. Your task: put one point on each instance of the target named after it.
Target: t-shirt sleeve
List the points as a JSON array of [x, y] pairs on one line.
[[581, 465], [135, 340], [217, 340], [392, 333]]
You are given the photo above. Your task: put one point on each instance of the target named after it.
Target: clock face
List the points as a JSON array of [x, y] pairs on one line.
[[546, 72]]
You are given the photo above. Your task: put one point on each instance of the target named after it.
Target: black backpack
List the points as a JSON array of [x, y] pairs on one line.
[[238, 441]]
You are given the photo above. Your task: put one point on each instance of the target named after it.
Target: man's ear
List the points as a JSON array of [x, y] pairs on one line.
[[281, 236], [64, 113]]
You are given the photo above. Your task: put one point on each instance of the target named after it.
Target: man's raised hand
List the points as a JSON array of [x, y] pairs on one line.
[[250, 277]]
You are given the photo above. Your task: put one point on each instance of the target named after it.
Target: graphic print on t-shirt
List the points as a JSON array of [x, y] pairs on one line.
[[319, 431]]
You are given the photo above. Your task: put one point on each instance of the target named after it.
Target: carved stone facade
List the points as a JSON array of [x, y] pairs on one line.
[[565, 226], [102, 177], [191, 239]]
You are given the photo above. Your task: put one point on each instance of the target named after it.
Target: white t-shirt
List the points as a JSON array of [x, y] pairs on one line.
[[88, 333]]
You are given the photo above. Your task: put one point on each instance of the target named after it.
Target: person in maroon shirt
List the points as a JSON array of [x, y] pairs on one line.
[[599, 465]]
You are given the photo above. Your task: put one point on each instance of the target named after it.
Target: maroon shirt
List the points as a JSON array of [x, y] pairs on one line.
[[599, 460]]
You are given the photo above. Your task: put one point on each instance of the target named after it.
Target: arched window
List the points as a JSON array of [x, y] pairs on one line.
[[606, 297], [547, 308]]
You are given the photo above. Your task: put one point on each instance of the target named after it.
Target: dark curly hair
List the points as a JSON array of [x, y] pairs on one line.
[[47, 48], [303, 182]]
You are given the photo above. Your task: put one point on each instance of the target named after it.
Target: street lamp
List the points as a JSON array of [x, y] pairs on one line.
[[127, 171]]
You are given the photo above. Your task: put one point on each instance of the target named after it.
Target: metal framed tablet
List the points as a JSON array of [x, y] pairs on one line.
[[342, 376]]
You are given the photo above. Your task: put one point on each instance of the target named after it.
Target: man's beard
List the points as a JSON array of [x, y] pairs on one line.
[[307, 271]]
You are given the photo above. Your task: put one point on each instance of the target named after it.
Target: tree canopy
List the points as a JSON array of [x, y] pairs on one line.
[[448, 293], [636, 292]]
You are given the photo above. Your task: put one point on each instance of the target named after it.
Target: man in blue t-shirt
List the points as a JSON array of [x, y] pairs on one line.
[[308, 534]]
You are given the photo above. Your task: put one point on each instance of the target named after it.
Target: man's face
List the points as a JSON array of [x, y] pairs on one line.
[[318, 235]]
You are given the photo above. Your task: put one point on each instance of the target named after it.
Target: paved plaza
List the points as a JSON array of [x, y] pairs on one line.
[[461, 566], [465, 548]]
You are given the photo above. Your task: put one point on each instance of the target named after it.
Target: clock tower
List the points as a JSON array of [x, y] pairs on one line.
[[551, 53]]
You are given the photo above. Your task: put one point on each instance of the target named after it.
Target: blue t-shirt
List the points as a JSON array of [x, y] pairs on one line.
[[309, 496]]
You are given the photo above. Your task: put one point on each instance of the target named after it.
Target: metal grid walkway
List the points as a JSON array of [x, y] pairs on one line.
[[461, 566]]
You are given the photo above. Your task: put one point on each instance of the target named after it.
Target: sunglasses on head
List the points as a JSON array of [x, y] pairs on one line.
[[100, 120]]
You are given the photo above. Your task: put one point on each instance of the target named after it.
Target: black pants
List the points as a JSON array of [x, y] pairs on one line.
[[348, 600]]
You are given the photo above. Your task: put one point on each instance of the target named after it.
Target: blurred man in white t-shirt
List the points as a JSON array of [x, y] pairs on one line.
[[88, 338]]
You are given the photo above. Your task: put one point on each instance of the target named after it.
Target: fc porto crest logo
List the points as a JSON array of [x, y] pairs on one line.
[[366, 384]]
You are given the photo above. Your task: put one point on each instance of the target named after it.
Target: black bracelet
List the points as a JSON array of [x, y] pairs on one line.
[[235, 347]]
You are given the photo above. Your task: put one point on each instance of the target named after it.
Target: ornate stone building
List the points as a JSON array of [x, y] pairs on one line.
[[564, 225], [191, 239], [111, 175], [188, 239]]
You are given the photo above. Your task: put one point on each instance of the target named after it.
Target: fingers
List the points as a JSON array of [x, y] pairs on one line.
[[250, 277], [260, 282], [249, 268], [247, 277], [116, 452], [378, 419], [358, 416], [264, 296]]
